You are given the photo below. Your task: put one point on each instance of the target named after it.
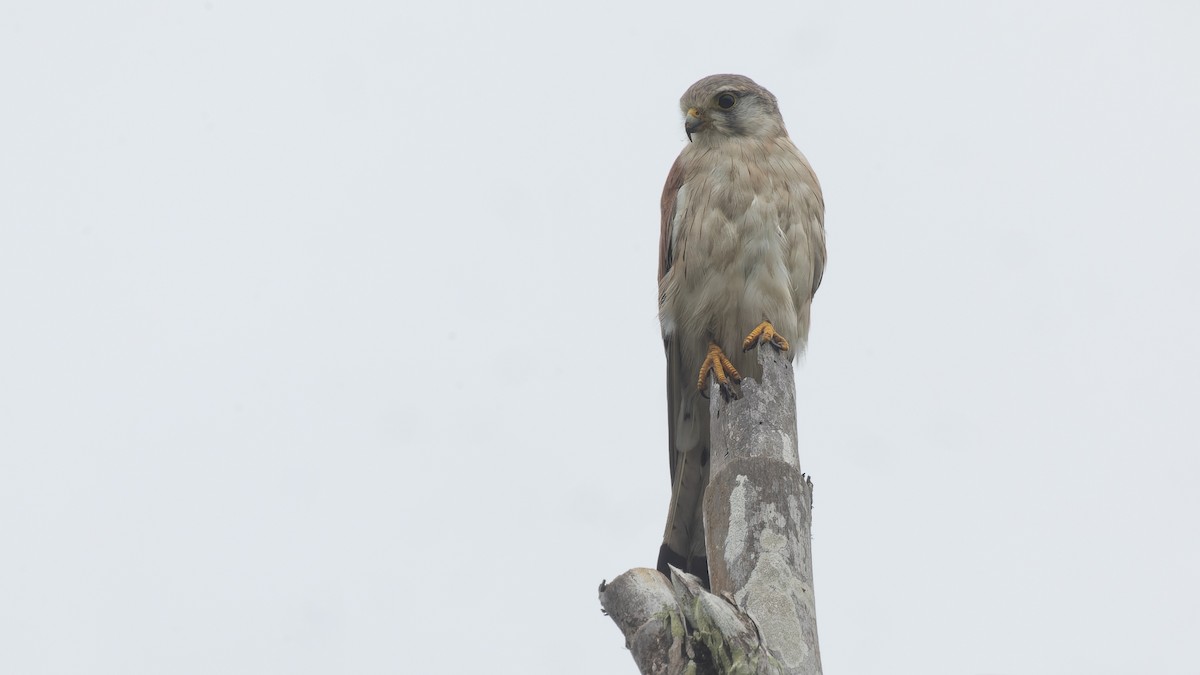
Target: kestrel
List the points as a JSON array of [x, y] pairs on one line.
[[741, 255]]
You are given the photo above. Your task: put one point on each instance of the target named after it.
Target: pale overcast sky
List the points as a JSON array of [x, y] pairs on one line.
[[329, 339]]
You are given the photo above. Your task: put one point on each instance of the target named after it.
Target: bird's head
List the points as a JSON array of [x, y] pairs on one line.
[[729, 106]]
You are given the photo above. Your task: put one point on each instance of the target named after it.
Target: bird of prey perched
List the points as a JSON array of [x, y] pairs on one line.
[[741, 255]]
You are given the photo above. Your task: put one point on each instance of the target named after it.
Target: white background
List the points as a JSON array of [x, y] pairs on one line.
[[329, 339]]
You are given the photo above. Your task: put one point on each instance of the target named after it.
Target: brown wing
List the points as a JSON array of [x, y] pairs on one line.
[[683, 538], [666, 256], [819, 259], [818, 243], [674, 181]]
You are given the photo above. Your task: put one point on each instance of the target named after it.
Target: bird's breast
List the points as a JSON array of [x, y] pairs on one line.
[[735, 258]]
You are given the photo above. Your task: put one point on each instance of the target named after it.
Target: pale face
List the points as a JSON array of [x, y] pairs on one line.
[[720, 107]]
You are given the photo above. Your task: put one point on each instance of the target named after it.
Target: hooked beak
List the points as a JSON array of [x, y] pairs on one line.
[[693, 122]]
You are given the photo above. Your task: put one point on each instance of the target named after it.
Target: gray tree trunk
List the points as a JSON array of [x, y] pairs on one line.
[[760, 616]]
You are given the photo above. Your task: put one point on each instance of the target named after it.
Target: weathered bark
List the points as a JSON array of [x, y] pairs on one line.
[[677, 627], [757, 515], [642, 603], [760, 616]]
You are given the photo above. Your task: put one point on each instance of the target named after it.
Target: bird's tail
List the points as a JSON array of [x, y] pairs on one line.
[[688, 424]]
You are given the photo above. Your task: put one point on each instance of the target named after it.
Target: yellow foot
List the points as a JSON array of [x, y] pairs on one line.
[[764, 333], [722, 369]]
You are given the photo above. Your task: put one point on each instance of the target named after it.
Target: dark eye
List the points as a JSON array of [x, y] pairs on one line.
[[726, 101]]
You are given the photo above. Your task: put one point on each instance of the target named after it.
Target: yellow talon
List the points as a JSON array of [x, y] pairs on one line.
[[722, 369], [764, 333]]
